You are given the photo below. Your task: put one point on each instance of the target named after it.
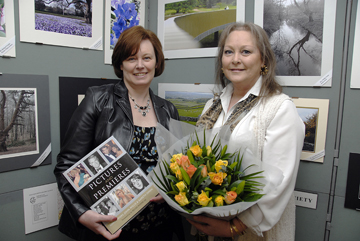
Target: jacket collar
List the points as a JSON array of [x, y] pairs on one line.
[[121, 92]]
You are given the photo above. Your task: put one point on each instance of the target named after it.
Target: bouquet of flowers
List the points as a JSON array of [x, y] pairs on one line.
[[196, 174]]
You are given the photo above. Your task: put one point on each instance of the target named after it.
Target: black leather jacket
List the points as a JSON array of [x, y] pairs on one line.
[[105, 111]]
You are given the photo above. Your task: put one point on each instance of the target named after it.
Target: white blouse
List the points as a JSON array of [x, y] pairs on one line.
[[282, 148]]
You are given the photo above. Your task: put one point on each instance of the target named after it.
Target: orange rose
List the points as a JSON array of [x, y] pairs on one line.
[[204, 172], [230, 197], [217, 178], [184, 162], [191, 170], [196, 150]]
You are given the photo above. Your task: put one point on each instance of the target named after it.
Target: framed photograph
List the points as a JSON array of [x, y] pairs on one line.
[[72, 91], [120, 15], [189, 30], [24, 121], [301, 34], [314, 113], [355, 75], [7, 28], [75, 24], [189, 99]]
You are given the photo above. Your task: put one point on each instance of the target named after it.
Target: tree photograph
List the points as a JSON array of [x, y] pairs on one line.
[[18, 125], [295, 30], [310, 119], [72, 17]]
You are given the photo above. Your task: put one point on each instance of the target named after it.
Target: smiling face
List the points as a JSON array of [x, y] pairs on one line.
[[241, 59], [139, 69]]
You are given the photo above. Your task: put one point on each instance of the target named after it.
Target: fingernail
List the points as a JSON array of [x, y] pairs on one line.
[[114, 219]]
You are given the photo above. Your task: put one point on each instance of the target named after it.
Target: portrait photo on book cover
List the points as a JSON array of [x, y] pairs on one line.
[[111, 151], [122, 195], [95, 163], [106, 207], [79, 175], [137, 182]]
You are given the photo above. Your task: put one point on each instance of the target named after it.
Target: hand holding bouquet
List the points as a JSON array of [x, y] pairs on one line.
[[197, 174]]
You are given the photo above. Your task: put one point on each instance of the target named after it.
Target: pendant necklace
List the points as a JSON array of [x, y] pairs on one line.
[[143, 109]]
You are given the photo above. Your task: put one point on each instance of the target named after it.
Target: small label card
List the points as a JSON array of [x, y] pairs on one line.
[[305, 199]]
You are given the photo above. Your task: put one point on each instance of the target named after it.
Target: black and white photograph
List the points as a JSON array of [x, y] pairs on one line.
[[18, 122], [95, 163], [295, 30], [106, 150], [301, 33], [137, 182], [63, 16]]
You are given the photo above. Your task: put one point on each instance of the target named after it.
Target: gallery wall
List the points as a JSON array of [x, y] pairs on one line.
[[330, 220]]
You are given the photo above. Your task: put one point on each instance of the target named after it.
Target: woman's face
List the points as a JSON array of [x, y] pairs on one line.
[[137, 183], [139, 69], [119, 193], [241, 59]]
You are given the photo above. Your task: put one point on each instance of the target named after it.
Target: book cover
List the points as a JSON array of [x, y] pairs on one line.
[[111, 183]]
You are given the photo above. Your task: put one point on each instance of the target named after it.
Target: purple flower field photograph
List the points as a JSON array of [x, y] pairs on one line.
[[64, 16]]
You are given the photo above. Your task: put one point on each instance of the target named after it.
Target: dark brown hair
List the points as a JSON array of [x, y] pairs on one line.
[[269, 86], [128, 45]]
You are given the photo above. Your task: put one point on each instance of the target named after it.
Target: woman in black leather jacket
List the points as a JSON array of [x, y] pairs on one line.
[[129, 111]]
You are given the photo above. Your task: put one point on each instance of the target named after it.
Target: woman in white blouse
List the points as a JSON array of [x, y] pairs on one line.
[[253, 101]]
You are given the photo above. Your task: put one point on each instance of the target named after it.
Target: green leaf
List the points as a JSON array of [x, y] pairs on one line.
[[252, 197], [190, 156], [173, 192], [185, 176], [195, 177], [210, 204], [172, 178], [240, 187], [207, 189], [219, 192], [223, 150]]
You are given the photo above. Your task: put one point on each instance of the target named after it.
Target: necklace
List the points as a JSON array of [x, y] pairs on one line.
[[143, 109]]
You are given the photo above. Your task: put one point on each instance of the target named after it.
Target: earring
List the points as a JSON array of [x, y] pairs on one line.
[[263, 70], [222, 70]]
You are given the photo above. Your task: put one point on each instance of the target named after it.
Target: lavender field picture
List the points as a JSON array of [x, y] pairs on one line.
[[2, 19], [64, 16], [124, 14]]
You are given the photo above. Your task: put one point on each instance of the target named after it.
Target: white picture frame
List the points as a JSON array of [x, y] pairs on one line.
[[190, 52], [355, 75], [7, 43], [107, 50], [28, 33], [325, 78], [322, 107]]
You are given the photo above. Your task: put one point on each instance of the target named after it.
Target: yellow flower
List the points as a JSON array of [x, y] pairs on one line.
[[208, 150], [181, 185], [176, 157], [230, 197], [219, 201], [196, 150], [174, 167], [203, 199], [182, 199], [217, 178], [220, 163], [204, 171], [179, 175]]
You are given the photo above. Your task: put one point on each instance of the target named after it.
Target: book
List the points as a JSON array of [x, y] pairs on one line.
[[111, 183]]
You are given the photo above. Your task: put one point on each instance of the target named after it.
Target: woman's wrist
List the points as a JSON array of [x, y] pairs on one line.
[[238, 226]]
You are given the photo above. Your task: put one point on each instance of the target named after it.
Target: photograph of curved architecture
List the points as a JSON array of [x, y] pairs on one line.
[[196, 24]]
